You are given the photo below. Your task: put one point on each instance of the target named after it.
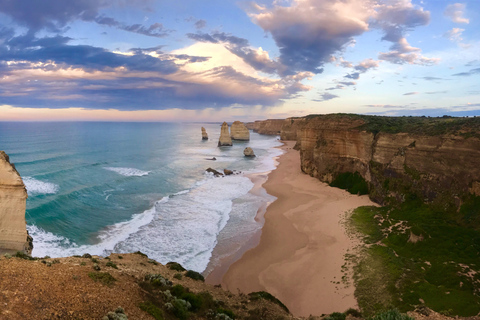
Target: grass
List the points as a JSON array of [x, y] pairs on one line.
[[442, 268], [352, 182], [104, 278], [267, 296], [392, 314]]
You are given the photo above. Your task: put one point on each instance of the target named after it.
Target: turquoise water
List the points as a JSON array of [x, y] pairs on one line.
[[122, 187]]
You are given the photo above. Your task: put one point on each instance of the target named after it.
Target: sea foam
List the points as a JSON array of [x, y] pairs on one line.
[[128, 172], [35, 186]]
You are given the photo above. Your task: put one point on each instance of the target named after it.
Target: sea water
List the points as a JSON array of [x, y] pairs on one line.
[[102, 187]]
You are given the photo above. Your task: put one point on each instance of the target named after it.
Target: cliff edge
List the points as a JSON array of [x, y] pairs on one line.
[[13, 199]]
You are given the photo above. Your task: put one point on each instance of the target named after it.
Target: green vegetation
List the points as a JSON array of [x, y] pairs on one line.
[[392, 314], [336, 316], [352, 182], [416, 253], [175, 266], [141, 253], [152, 309], [23, 255], [194, 275], [111, 264], [102, 277], [267, 296]]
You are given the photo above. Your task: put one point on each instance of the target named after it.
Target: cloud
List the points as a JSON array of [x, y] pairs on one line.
[[395, 18], [361, 68], [455, 13], [410, 93], [436, 92], [54, 15], [200, 24], [326, 96], [433, 79], [468, 73], [309, 32], [454, 35]]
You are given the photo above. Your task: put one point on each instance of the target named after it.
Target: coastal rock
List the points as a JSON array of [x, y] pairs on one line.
[[248, 152], [215, 172], [239, 131], [270, 126], [227, 172], [13, 199], [204, 134], [225, 139]]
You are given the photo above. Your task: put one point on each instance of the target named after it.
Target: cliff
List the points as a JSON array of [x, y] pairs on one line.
[[225, 139], [238, 131], [432, 159], [270, 126], [13, 197]]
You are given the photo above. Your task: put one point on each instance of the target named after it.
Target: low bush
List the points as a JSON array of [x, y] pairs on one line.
[[267, 296], [175, 266], [194, 275], [102, 277], [152, 309]]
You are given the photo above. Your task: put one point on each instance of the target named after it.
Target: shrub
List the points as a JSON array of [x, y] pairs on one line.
[[152, 262], [111, 264], [102, 277], [175, 266], [178, 276], [353, 312], [336, 316], [141, 253], [194, 275], [87, 256], [152, 309], [227, 312], [23, 255], [352, 182], [392, 314], [180, 309], [267, 296]]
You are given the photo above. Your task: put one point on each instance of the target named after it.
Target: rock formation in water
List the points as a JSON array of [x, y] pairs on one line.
[[248, 152], [13, 198], [215, 172], [433, 159], [225, 139], [204, 134], [239, 131], [227, 172]]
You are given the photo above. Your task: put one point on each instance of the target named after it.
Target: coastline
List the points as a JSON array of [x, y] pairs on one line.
[[228, 252], [300, 253]]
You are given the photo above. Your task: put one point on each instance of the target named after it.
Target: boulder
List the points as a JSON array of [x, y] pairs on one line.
[[239, 131], [215, 172], [225, 139], [227, 172], [13, 200], [204, 134], [248, 152]]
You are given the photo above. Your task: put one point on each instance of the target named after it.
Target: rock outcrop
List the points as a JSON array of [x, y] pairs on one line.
[[239, 131], [248, 152], [270, 126], [13, 198], [215, 172], [204, 134], [225, 139], [433, 159]]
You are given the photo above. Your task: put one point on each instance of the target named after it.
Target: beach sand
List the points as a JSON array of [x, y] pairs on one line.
[[302, 245]]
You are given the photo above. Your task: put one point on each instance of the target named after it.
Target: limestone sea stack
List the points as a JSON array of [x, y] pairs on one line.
[[239, 131], [248, 152], [225, 139], [204, 134], [13, 201]]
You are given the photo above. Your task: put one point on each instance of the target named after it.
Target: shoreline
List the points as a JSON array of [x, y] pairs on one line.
[[302, 231], [228, 255]]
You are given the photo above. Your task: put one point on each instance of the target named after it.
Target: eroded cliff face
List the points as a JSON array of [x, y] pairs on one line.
[[270, 126], [238, 131], [225, 139], [13, 197], [442, 169]]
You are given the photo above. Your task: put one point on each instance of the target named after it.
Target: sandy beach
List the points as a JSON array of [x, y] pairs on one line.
[[301, 250]]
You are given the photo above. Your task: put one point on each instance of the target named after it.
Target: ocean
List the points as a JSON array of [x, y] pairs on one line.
[[103, 187]]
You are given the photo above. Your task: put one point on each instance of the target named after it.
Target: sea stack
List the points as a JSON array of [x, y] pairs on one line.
[[239, 131], [13, 200], [248, 152], [204, 134], [225, 139]]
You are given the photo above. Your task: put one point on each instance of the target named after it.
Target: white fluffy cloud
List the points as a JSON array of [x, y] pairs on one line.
[[455, 13]]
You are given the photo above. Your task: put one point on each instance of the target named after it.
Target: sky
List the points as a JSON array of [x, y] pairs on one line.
[[215, 60]]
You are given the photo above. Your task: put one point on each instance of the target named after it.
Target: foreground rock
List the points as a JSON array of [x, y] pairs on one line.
[[248, 152], [239, 131], [204, 134], [13, 200], [225, 139], [215, 172]]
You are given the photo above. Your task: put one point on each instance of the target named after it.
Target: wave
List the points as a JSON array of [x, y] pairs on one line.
[[128, 172], [35, 186]]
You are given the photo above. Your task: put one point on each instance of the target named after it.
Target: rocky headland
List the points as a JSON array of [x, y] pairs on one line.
[[13, 199]]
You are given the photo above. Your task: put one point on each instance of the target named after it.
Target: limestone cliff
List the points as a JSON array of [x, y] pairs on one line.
[[434, 159], [239, 131], [204, 134], [270, 126], [224, 139], [13, 197]]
